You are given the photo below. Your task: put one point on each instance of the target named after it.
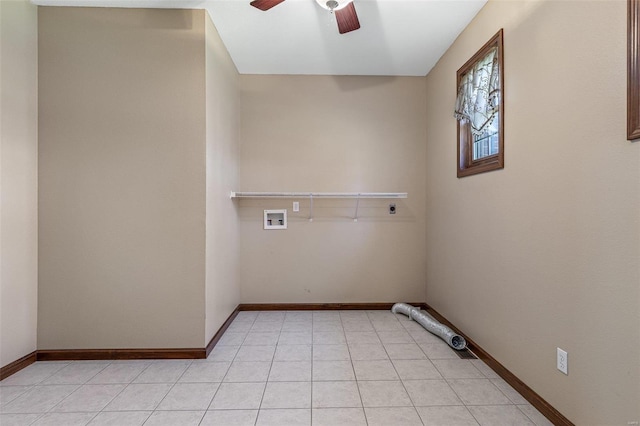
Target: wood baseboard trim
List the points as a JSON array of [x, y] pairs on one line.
[[118, 354], [316, 306], [529, 394], [17, 365], [216, 337]]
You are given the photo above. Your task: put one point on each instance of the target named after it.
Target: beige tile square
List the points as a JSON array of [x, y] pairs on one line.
[[338, 417], [120, 418], [485, 369], [230, 418], [292, 316], [381, 315], [478, 392], [297, 326], [509, 392], [383, 394], [385, 416], [34, 374], [66, 419], [249, 371], [75, 374], [232, 339], [271, 316], [292, 353], [354, 315], [189, 396], [335, 395], [534, 415], [163, 371], [239, 327], [261, 326], [255, 353], [326, 316], [370, 337], [416, 369], [395, 337], [330, 353], [38, 399], [261, 338], [295, 338], [89, 398], [173, 418], [119, 372], [333, 370], [375, 370], [446, 416], [9, 393], [357, 325], [249, 316], [327, 326], [422, 336], [387, 325], [205, 371], [290, 371], [223, 353], [284, 417], [18, 419], [438, 351], [457, 369], [139, 397], [431, 392], [329, 337], [499, 415], [287, 395], [404, 351], [241, 396], [367, 352]]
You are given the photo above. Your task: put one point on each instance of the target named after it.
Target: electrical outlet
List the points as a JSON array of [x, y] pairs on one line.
[[296, 206], [563, 361]]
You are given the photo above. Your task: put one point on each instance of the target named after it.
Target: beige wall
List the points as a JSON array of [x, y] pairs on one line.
[[122, 178], [222, 281], [333, 134], [18, 179], [544, 253]]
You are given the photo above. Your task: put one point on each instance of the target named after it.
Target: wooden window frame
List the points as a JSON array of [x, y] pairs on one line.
[[633, 70], [466, 165]]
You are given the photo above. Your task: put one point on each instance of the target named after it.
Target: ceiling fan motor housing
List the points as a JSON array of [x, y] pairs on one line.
[[333, 4]]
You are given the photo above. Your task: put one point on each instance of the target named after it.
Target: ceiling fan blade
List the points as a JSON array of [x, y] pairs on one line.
[[265, 4], [347, 19]]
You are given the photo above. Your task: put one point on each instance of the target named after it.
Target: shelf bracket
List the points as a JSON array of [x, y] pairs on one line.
[[355, 218], [310, 207]]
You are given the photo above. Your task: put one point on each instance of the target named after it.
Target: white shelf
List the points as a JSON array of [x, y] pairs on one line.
[[318, 194], [312, 195]]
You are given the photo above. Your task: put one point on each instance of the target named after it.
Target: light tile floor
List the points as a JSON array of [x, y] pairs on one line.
[[278, 368]]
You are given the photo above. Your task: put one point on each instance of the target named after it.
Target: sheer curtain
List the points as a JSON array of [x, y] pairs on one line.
[[479, 95]]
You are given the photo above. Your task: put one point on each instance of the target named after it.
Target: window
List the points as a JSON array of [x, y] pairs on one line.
[[479, 110]]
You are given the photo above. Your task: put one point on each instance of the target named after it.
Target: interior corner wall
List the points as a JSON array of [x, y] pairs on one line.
[[18, 179], [544, 253], [333, 134], [122, 178], [222, 280]]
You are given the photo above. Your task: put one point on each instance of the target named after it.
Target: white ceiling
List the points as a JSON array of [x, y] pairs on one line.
[[397, 37]]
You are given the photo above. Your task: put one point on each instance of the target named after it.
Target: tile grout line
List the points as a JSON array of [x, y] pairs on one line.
[[398, 374]]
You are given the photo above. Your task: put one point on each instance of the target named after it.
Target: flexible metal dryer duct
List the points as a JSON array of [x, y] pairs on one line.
[[431, 324]]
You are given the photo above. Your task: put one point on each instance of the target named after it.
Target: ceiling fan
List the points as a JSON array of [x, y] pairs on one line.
[[344, 10]]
